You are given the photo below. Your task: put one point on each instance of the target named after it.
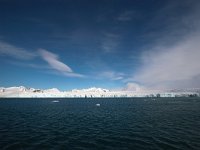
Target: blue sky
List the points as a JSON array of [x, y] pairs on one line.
[[103, 43]]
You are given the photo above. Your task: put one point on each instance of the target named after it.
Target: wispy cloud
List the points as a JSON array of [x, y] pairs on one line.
[[111, 75], [28, 65], [132, 87], [54, 62], [52, 59], [15, 52], [172, 60], [172, 67], [110, 42], [125, 16]]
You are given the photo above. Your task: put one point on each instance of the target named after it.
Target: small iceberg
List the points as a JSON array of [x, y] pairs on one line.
[[56, 101], [98, 105]]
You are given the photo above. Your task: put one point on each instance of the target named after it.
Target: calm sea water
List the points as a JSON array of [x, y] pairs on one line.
[[135, 123]]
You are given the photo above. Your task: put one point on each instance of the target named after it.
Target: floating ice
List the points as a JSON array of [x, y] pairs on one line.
[[56, 101], [98, 105]]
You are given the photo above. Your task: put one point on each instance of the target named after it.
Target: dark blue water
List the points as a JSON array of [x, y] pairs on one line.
[[165, 123]]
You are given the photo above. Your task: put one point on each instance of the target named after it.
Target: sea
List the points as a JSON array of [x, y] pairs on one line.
[[100, 123]]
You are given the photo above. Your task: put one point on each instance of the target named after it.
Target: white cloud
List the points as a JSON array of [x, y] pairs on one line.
[[72, 74], [132, 87], [173, 59], [54, 62], [51, 58], [111, 75], [172, 67], [15, 52]]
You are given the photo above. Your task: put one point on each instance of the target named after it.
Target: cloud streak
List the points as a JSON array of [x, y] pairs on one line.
[[52, 59], [111, 75], [15, 52], [54, 62]]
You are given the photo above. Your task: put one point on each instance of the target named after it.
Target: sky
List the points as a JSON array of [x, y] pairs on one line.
[[113, 44]]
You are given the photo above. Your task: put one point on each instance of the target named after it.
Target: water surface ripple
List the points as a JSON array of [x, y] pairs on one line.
[[130, 123]]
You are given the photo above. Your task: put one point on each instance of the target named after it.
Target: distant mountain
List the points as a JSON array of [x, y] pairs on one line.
[[22, 91], [93, 89]]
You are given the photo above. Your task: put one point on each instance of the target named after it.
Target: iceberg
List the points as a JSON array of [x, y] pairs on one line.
[[98, 105], [56, 101]]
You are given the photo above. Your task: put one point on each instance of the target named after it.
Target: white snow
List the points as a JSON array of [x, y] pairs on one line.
[[88, 93]]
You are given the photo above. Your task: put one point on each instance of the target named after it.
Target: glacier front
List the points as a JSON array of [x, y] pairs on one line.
[[23, 92]]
